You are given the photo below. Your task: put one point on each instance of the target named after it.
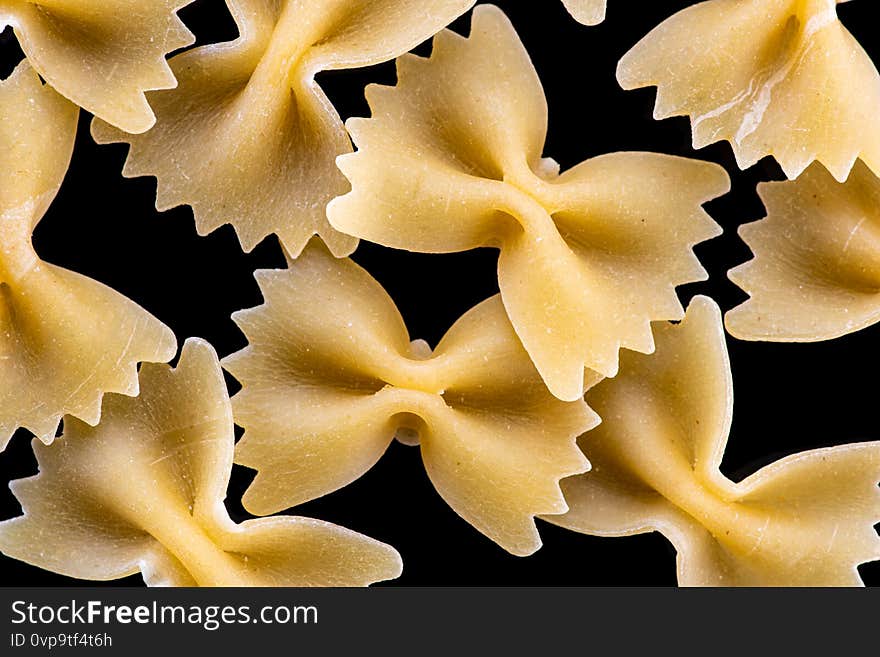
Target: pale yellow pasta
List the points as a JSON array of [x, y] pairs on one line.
[[772, 77], [814, 275], [64, 338], [143, 491], [451, 160], [588, 12], [101, 54], [248, 137], [330, 377], [806, 520]]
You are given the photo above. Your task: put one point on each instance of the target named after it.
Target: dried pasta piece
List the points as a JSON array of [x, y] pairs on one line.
[[806, 520], [143, 491], [772, 77], [248, 137], [102, 55], [451, 160], [814, 275], [64, 338], [330, 377], [588, 12]]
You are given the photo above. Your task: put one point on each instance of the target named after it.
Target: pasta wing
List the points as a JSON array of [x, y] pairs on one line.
[[451, 160], [144, 491], [37, 131], [360, 33], [311, 373], [65, 339], [772, 77], [102, 55], [813, 275], [248, 137], [431, 160], [805, 520], [498, 447], [820, 506], [588, 12], [684, 385], [330, 377], [624, 228]]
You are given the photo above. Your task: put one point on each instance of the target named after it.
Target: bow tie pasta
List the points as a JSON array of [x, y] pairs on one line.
[[330, 377], [143, 491], [65, 339], [102, 55], [806, 520], [451, 160], [248, 137], [772, 77]]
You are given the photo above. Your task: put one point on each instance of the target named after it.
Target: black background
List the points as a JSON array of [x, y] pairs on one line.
[[788, 397]]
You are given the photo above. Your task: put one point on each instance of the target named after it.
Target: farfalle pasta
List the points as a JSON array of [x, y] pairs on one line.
[[330, 377], [248, 137], [64, 338], [143, 491], [814, 275], [806, 520], [588, 12], [451, 160], [102, 55], [773, 77]]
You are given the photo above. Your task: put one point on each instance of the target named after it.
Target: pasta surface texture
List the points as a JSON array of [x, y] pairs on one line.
[[102, 54], [805, 520], [773, 77], [64, 338], [814, 275], [451, 161], [588, 12], [143, 491], [248, 137], [330, 377]]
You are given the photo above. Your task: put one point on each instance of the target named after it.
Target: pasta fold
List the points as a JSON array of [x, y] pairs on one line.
[[102, 54], [143, 491], [772, 77], [451, 160], [588, 12], [64, 338], [806, 520], [248, 137], [814, 275], [329, 377]]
